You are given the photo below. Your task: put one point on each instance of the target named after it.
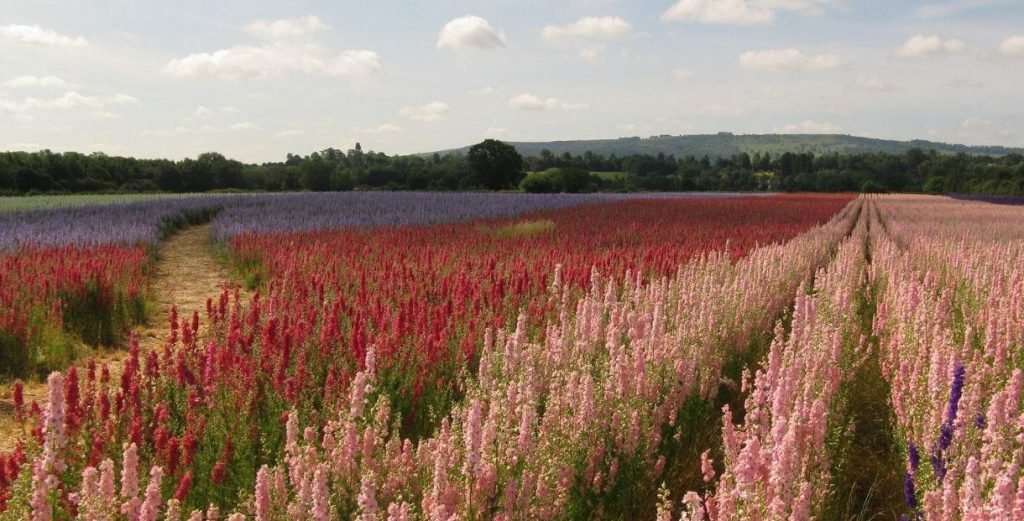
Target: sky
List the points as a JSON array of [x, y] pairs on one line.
[[257, 80]]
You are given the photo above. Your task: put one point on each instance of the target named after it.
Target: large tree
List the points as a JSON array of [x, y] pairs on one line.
[[496, 165]]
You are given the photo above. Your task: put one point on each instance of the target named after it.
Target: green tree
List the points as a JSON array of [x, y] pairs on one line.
[[496, 165], [538, 182], [316, 174]]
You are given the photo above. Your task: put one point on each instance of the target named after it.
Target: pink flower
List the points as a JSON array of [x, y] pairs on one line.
[[151, 505], [106, 486], [262, 495], [367, 502], [706, 466], [321, 495]]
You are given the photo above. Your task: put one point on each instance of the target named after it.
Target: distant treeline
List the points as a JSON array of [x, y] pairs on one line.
[[333, 169]]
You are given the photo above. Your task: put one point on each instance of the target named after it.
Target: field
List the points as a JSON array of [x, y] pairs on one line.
[[496, 356]]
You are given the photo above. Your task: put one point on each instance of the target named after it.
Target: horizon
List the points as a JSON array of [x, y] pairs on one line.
[[460, 149], [255, 82]]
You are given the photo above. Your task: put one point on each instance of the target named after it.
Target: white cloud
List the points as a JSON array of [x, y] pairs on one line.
[[46, 82], [201, 112], [977, 130], [808, 127], [386, 128], [975, 124], [788, 60], [24, 147], [874, 83], [122, 99], [939, 9], [682, 74], [245, 61], [660, 126], [732, 12], [70, 100], [964, 83], [594, 28], [1012, 47], [285, 28], [35, 35], [483, 91], [290, 133], [242, 126], [106, 114], [741, 12], [592, 54], [470, 32], [432, 111], [529, 101], [715, 109], [923, 45], [496, 132]]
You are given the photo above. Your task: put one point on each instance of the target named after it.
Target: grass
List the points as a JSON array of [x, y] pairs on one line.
[[611, 176], [42, 202], [519, 229]]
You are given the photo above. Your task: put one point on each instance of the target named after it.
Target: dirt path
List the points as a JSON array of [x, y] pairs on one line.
[[185, 275]]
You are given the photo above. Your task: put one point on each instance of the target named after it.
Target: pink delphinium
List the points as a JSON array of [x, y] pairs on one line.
[[151, 505]]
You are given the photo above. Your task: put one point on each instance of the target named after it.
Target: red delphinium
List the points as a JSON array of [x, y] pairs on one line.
[[36, 414], [48, 283], [184, 486], [219, 472], [97, 449], [174, 326], [172, 455], [420, 302], [18, 396], [10, 466], [72, 405]]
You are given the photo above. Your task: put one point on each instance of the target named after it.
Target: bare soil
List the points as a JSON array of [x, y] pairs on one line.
[[185, 275]]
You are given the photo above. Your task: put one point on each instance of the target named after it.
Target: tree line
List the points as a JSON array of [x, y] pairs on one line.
[[493, 165]]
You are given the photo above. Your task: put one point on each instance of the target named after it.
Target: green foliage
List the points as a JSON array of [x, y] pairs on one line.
[[316, 174], [538, 183], [750, 163], [872, 187], [497, 165], [571, 180]]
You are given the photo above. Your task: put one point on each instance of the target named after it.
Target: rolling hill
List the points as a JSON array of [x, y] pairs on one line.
[[727, 144]]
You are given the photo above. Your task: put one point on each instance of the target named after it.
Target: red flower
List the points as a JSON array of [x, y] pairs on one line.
[[219, 473], [185, 484]]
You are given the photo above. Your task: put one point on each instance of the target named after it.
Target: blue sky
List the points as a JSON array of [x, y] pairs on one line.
[[257, 80]]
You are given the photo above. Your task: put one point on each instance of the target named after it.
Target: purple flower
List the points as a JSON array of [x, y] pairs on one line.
[[908, 491], [914, 456], [938, 465], [955, 392]]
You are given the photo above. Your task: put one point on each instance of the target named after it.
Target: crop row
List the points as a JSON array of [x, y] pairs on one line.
[[79, 273], [945, 346], [253, 416], [951, 323]]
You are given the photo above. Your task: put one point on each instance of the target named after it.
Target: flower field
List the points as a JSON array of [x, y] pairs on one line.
[[490, 356]]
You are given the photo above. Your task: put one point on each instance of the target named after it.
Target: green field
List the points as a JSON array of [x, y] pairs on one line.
[[36, 202]]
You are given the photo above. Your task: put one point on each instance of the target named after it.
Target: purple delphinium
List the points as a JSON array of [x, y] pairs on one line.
[[331, 211], [141, 222], [914, 456], [948, 427], [909, 494], [145, 221], [955, 392]]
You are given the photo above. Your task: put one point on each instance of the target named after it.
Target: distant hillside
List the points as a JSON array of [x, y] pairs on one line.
[[725, 144]]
